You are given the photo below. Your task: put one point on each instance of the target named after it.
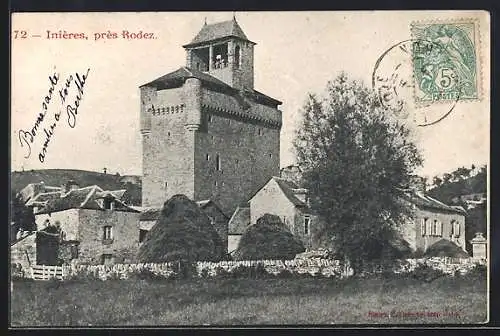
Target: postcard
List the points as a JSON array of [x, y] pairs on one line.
[[221, 169]]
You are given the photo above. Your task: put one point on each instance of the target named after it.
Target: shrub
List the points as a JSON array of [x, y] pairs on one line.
[[426, 273]]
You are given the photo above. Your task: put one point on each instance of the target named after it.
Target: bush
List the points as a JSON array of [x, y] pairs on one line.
[[147, 274], [478, 272], [426, 273]]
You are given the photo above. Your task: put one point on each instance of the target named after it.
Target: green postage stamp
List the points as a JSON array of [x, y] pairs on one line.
[[445, 61]]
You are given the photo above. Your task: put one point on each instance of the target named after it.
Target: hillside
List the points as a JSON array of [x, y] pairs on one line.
[[448, 192], [57, 177]]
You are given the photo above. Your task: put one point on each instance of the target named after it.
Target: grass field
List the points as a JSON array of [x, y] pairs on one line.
[[248, 302]]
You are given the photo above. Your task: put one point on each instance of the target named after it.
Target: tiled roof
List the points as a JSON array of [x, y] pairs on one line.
[[287, 188], [216, 31], [425, 201], [150, 214], [239, 221], [80, 198], [178, 77]]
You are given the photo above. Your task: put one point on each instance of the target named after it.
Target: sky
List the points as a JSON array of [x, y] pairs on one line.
[[296, 53]]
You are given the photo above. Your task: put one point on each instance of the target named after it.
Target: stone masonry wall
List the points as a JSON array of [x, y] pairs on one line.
[[167, 151], [125, 242], [423, 242], [249, 156]]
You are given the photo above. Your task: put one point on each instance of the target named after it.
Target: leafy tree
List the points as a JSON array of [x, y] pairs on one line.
[[21, 215], [447, 177], [437, 181], [356, 157]]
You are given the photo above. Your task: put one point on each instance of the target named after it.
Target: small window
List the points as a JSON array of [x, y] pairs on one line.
[[208, 157], [218, 163], [215, 183], [108, 203], [166, 185], [456, 228], [271, 155], [168, 134], [428, 229], [142, 235], [434, 228], [209, 118], [107, 233], [423, 226], [307, 222], [439, 229], [260, 131]]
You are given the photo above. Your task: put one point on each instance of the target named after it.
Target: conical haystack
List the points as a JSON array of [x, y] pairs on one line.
[[182, 232]]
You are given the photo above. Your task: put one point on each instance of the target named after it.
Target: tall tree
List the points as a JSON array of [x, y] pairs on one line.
[[356, 160]]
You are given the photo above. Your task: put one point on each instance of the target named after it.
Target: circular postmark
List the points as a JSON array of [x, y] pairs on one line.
[[426, 76]]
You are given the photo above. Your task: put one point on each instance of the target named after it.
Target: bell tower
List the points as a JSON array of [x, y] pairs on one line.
[[223, 51]]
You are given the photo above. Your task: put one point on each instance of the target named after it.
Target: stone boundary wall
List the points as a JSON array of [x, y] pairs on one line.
[[314, 267]]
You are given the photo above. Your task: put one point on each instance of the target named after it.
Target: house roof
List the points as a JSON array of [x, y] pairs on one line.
[[80, 198], [178, 77], [150, 214], [217, 31], [425, 201], [288, 188], [239, 221]]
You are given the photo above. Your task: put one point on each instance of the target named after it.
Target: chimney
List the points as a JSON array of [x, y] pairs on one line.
[[291, 173], [70, 185], [301, 194]]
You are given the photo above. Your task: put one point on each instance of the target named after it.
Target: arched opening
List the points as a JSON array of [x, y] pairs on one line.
[[237, 57]]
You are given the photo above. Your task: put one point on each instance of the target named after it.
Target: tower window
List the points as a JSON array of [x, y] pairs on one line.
[[200, 58], [260, 131], [237, 57], [208, 157], [219, 56], [270, 155], [218, 162], [209, 118]]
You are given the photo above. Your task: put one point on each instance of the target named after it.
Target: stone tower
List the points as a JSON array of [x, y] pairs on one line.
[[206, 132]]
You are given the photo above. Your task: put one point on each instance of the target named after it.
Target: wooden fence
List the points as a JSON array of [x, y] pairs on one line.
[[43, 272]]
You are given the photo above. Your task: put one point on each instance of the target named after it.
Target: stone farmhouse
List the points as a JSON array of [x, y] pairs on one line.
[[102, 227]]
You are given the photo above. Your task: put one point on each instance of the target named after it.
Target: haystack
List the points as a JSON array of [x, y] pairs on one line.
[[445, 248], [269, 238], [182, 232]]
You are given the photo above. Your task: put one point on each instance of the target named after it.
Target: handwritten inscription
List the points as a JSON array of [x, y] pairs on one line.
[[70, 95]]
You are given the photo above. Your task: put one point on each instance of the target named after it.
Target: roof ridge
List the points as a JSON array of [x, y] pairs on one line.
[[91, 192]]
